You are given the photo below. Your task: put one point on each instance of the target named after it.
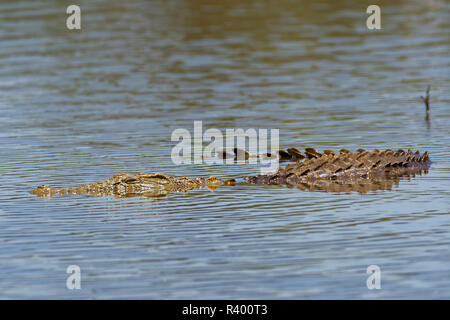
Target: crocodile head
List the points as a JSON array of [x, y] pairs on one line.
[[44, 191], [146, 184]]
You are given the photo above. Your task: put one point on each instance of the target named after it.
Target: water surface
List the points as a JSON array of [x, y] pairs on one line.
[[80, 106]]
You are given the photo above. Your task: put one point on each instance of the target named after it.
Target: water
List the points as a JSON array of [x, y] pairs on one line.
[[77, 107]]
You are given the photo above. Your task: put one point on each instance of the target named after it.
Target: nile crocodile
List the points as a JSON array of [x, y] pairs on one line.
[[360, 171]]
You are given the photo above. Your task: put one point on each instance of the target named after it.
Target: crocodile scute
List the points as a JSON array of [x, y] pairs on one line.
[[346, 171]]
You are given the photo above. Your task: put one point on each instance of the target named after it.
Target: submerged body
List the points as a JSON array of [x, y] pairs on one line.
[[360, 171]]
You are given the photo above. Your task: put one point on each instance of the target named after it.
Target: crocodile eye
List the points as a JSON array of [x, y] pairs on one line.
[[158, 176]]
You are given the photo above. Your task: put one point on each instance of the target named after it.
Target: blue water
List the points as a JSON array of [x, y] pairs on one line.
[[80, 106]]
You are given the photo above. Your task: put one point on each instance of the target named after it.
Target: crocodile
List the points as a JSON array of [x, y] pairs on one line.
[[359, 171]]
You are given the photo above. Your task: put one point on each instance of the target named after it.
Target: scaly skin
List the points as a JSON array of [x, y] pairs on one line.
[[129, 185], [360, 171]]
